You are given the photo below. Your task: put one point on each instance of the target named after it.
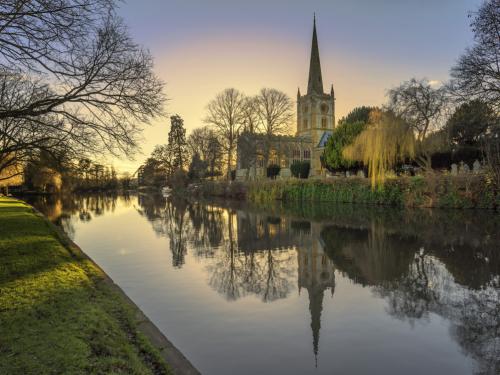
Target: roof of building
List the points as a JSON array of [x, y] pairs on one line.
[[324, 138], [274, 138]]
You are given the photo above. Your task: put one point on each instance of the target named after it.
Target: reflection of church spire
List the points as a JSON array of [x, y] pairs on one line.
[[315, 308], [316, 274]]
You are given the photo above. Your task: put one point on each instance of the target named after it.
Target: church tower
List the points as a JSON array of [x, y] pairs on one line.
[[316, 109]]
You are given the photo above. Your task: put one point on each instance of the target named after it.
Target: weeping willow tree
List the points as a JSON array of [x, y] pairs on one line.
[[387, 140]]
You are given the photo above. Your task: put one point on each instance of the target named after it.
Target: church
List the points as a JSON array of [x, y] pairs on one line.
[[315, 124]]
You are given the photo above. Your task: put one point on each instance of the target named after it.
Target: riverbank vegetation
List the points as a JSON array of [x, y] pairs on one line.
[[57, 312], [443, 191]]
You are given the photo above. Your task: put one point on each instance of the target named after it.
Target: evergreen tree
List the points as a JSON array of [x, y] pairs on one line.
[[470, 122], [358, 114], [177, 142]]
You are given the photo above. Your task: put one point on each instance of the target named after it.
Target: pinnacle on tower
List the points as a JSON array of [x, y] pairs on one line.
[[315, 84]]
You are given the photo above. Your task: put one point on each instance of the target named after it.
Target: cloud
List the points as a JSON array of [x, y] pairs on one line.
[[435, 83]]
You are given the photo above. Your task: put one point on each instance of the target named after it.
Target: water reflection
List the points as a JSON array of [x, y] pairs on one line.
[[421, 263]]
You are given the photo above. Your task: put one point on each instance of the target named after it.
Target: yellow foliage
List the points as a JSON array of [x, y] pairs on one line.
[[386, 140], [11, 175], [47, 179]]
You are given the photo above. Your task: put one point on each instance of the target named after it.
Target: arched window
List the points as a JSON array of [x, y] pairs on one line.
[[307, 154], [306, 124], [323, 122]]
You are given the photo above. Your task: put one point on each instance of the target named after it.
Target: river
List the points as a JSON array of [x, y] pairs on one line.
[[311, 289]]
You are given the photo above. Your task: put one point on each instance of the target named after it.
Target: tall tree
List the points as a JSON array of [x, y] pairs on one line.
[[477, 73], [225, 114], [70, 72], [419, 104], [177, 142], [274, 108], [204, 142], [198, 141], [214, 156], [470, 122]]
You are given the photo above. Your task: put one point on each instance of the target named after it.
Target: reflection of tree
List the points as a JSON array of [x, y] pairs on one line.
[[477, 327], [474, 314], [169, 217], [177, 231], [367, 256], [268, 273], [419, 274], [65, 210], [207, 229], [416, 282]]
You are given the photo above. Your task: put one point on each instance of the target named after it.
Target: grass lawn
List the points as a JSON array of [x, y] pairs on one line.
[[57, 314]]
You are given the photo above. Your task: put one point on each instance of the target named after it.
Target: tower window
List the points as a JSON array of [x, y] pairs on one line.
[[306, 125], [323, 122], [324, 108]]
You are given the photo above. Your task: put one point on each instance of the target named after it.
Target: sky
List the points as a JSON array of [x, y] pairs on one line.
[[201, 47]]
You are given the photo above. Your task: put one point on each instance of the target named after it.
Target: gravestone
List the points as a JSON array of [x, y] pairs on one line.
[[285, 173], [361, 173], [476, 167], [454, 169], [464, 168]]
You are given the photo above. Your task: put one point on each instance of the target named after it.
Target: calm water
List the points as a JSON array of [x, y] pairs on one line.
[[302, 290]]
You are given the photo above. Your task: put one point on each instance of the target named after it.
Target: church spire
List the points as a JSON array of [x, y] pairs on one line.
[[315, 84]]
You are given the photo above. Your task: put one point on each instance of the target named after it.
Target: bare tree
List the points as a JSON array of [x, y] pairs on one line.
[[421, 105], [226, 115], [251, 115], [204, 142], [198, 140], [274, 109], [21, 138], [70, 71], [477, 73]]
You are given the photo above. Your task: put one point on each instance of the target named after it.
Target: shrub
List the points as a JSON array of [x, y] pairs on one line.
[[300, 169], [273, 170]]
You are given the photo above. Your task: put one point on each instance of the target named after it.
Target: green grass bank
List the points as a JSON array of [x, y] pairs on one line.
[[58, 314], [440, 191]]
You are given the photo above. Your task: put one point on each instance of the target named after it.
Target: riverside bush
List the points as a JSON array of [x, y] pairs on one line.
[[300, 169], [273, 170], [419, 191]]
